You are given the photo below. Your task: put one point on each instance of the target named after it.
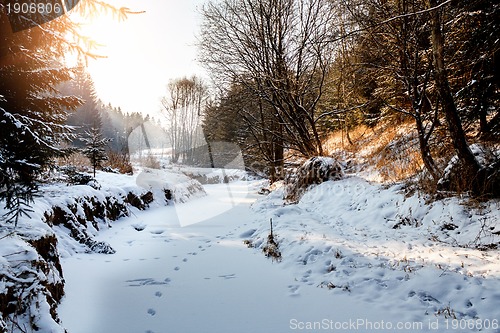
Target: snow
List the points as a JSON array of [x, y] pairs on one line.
[[356, 256], [183, 279]]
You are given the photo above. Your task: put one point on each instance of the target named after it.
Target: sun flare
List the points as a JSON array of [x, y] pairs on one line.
[[139, 55]]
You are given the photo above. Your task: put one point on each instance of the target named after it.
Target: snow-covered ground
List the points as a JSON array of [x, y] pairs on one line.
[[355, 256], [344, 267]]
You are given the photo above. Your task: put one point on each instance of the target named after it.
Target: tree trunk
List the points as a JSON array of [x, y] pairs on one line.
[[425, 151], [468, 161]]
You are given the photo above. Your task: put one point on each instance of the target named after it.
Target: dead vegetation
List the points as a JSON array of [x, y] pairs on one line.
[[271, 249], [314, 171], [390, 153]]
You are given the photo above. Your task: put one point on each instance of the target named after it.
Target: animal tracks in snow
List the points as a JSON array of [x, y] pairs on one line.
[[293, 290], [147, 282]]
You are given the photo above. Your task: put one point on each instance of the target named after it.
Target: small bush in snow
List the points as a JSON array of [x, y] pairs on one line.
[[446, 312], [151, 161], [314, 171], [271, 249], [74, 177], [120, 162]]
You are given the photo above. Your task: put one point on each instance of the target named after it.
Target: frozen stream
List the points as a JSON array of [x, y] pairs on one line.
[[184, 274]]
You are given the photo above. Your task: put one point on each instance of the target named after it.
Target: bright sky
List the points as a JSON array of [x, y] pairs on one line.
[[145, 51]]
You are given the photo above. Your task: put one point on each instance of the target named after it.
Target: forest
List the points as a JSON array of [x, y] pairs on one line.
[[286, 76], [294, 73]]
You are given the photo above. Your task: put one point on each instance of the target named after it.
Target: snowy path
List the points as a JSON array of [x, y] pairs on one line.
[[195, 278]]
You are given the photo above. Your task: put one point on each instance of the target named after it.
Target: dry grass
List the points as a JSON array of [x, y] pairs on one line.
[[78, 160], [151, 161], [116, 161], [120, 162], [390, 147], [339, 141]]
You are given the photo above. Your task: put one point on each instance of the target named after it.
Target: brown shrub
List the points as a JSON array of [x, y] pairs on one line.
[[316, 170], [120, 162]]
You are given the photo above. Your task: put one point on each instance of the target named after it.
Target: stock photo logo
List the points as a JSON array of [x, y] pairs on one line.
[[26, 14]]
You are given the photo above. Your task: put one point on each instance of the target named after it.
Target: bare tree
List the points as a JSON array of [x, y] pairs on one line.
[[469, 163], [184, 109], [393, 52], [279, 50]]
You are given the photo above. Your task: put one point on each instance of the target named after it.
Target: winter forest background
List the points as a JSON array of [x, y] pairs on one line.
[[287, 77], [405, 90]]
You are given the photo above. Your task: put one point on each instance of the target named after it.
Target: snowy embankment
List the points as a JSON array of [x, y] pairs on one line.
[[65, 220], [430, 260], [356, 256]]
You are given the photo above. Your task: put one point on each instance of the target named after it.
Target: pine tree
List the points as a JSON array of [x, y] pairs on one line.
[[82, 120], [32, 109], [95, 147]]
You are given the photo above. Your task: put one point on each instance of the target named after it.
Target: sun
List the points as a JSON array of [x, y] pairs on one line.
[[142, 53], [121, 48]]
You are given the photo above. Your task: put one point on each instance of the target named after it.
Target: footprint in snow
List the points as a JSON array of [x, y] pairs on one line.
[[177, 268], [139, 226], [151, 312], [293, 289], [228, 276], [147, 282], [185, 260], [158, 294]]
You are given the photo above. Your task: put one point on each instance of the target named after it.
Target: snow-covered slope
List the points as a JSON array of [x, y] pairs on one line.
[[65, 220], [373, 243], [351, 252]]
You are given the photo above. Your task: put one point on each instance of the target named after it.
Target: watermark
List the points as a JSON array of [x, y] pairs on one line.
[[360, 324], [182, 183], [26, 14], [367, 325]]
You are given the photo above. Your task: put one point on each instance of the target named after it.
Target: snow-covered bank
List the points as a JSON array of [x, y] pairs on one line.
[[64, 221], [377, 245], [355, 257], [198, 278]]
